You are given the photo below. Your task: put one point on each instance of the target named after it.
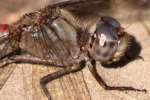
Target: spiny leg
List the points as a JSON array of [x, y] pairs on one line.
[[33, 60], [107, 87], [50, 77]]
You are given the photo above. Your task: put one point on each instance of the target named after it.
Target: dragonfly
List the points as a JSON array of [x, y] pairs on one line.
[[69, 35]]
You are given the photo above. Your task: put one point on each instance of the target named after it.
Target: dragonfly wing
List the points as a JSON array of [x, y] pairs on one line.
[[53, 41], [85, 7], [5, 73]]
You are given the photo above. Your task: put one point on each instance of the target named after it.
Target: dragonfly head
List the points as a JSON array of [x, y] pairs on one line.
[[107, 45]]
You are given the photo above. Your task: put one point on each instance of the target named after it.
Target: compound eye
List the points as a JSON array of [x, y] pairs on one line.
[[112, 21], [111, 44]]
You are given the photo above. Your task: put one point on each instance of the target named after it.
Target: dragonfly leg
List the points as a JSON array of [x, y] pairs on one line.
[[107, 87], [34, 60], [50, 77], [6, 62]]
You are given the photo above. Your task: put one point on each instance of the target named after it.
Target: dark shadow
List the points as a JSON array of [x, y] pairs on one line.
[[131, 54]]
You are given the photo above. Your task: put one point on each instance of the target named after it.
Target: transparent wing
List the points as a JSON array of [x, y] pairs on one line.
[[5, 50], [85, 8], [53, 41], [5, 73]]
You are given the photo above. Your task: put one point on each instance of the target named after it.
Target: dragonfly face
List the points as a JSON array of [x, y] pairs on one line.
[[107, 41], [105, 44]]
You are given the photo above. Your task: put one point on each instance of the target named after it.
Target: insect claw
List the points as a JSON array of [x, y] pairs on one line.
[[140, 58], [144, 90]]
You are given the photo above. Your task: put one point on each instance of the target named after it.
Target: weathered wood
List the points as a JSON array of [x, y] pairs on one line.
[[71, 87]]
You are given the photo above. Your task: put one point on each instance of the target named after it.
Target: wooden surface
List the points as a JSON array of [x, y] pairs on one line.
[[23, 84]]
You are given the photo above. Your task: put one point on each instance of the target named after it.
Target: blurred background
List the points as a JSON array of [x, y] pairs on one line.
[[11, 10]]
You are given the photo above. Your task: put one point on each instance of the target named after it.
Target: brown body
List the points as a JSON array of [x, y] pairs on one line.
[[21, 35]]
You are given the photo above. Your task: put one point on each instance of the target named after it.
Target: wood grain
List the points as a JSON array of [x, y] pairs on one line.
[[70, 87]]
